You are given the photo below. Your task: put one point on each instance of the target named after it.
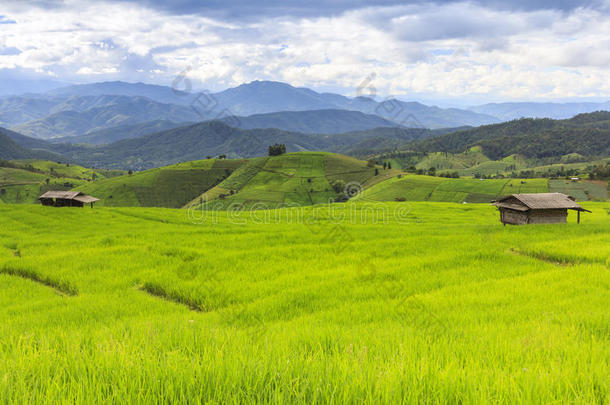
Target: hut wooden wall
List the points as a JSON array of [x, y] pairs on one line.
[[558, 216], [513, 217]]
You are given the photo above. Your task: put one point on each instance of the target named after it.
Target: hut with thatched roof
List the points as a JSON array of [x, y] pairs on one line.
[[66, 199], [542, 208]]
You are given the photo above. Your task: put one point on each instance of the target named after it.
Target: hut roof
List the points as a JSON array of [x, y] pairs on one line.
[[60, 194], [540, 201], [86, 198], [69, 195]]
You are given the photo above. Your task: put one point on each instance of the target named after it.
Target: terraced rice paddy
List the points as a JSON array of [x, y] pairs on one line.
[[292, 179], [171, 186], [28, 179], [581, 190], [428, 188], [349, 303]]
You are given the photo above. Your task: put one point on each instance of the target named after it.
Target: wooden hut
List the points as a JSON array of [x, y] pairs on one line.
[[66, 199], [542, 208]]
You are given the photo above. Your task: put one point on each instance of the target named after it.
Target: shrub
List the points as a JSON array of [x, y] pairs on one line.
[[338, 186], [341, 198]]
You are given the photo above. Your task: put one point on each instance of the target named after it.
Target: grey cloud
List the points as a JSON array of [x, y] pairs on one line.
[[248, 9], [299, 8], [456, 21]]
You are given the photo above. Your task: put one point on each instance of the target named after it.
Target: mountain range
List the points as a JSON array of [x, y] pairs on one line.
[[309, 122], [213, 138], [586, 135], [83, 115], [105, 112], [84, 109], [139, 126]]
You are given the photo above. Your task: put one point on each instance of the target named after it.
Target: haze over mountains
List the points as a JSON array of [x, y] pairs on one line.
[[584, 137], [512, 111], [139, 126], [210, 138], [83, 109], [106, 112]]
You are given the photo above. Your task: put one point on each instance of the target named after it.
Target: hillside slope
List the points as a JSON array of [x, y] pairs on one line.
[[120, 132], [293, 179], [23, 181], [310, 122], [585, 134], [112, 112], [297, 179], [465, 190], [214, 138], [330, 121], [428, 188], [9, 149], [19, 109], [170, 186]]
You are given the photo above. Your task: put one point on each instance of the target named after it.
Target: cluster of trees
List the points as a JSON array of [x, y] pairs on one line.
[[561, 172], [600, 172], [488, 176], [277, 149], [450, 175], [585, 135], [432, 171]]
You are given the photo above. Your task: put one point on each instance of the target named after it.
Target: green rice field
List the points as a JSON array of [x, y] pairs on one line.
[[170, 186], [23, 181], [581, 190], [292, 179], [429, 188], [415, 302]]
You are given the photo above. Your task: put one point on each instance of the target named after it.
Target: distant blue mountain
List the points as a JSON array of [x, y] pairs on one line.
[[120, 132], [83, 115], [161, 94], [262, 97], [330, 121], [511, 111]]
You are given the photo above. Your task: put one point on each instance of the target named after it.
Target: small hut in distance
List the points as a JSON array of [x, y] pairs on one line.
[[66, 199], [542, 208]]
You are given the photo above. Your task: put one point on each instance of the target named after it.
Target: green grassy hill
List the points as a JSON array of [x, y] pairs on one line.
[[428, 188], [23, 181], [11, 149], [584, 134], [302, 178], [474, 163], [169, 186]]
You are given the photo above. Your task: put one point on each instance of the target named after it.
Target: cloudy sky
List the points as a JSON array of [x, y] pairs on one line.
[[449, 50]]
